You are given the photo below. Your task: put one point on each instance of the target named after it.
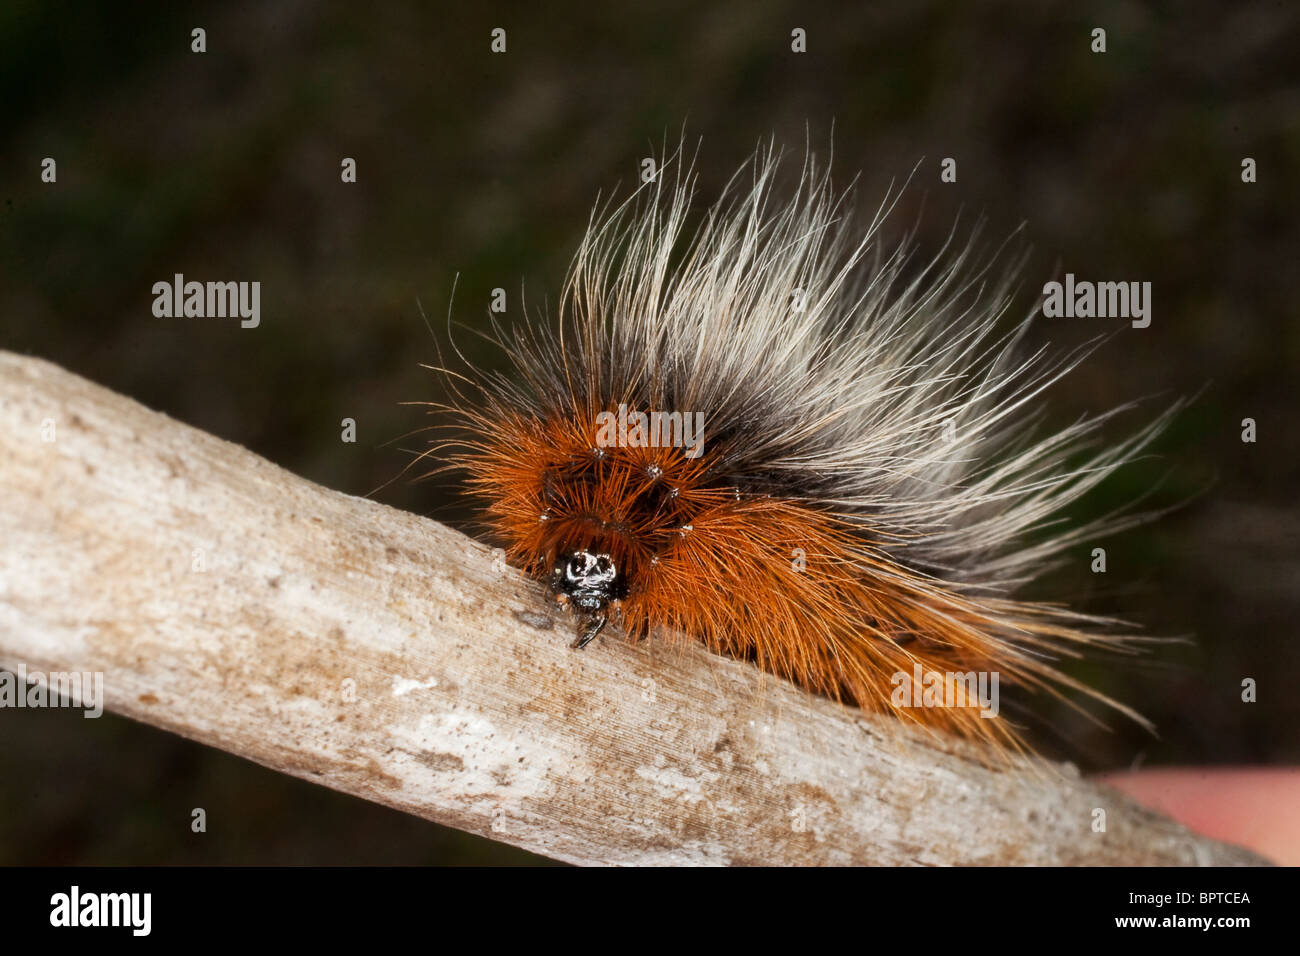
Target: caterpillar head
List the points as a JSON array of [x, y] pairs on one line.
[[587, 581]]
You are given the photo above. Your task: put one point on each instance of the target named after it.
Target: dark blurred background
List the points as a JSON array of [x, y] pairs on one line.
[[225, 165]]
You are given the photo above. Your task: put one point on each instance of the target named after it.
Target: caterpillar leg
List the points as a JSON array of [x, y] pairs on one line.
[[595, 624]]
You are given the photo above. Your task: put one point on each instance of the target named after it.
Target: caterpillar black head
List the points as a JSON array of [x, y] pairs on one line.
[[590, 582]]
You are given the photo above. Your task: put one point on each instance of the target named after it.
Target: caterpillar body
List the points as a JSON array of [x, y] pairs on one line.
[[868, 492]]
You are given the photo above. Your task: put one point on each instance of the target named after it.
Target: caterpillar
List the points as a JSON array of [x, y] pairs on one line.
[[868, 489]]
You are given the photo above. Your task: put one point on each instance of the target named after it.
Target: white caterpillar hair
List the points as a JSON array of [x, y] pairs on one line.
[[895, 402], [835, 372]]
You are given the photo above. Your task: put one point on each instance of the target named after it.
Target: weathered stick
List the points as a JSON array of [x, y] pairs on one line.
[[389, 657]]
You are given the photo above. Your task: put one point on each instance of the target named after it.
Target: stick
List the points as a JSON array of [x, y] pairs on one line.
[[384, 655]]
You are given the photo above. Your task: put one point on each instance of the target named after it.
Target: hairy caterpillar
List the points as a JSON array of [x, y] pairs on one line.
[[868, 493]]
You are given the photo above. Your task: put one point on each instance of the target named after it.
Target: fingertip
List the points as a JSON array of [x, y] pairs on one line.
[[1258, 808]]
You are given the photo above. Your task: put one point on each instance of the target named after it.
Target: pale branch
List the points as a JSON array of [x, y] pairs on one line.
[[387, 656]]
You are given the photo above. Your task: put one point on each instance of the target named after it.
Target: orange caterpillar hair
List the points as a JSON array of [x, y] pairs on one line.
[[865, 495]]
